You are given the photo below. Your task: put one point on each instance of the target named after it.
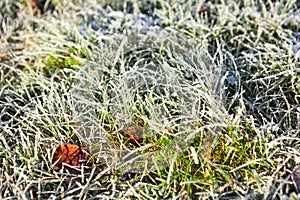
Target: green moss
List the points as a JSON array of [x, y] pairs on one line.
[[58, 61]]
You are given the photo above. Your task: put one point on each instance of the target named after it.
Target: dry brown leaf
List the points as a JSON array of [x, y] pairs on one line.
[[70, 158]]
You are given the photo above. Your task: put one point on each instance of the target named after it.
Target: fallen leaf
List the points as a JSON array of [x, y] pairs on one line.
[[70, 158], [134, 133], [43, 5], [204, 11], [296, 178]]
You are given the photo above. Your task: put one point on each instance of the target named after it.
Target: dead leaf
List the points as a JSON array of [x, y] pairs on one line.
[[43, 5], [296, 178], [204, 11], [70, 158]]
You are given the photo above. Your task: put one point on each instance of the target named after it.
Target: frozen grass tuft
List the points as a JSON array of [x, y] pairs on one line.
[[212, 101]]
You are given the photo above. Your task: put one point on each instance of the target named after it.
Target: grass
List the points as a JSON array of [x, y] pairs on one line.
[[214, 96]]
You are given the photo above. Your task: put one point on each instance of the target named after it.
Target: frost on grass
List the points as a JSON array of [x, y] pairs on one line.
[[165, 82], [111, 69]]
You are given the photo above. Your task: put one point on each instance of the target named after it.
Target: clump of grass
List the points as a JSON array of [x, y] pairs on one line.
[[217, 99]]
